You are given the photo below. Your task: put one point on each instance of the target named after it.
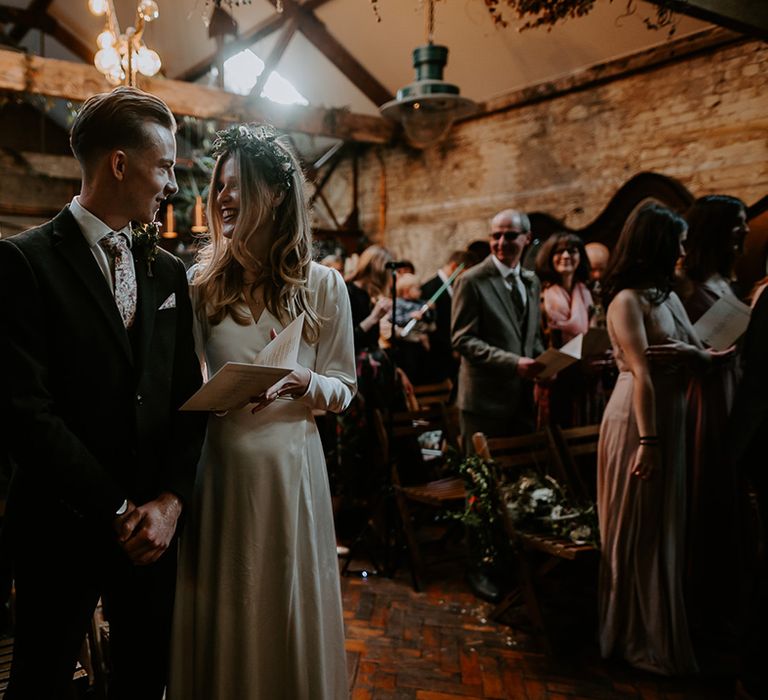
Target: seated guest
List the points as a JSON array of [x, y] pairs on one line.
[[442, 363], [410, 349], [716, 230], [367, 287], [563, 268], [641, 453]]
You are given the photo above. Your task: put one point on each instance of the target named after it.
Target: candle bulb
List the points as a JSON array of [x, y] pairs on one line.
[[169, 224], [197, 221]]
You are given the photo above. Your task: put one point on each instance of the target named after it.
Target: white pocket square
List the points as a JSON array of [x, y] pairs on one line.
[[169, 303]]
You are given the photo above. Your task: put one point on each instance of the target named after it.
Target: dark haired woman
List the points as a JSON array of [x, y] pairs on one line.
[[641, 454], [717, 226], [563, 268], [258, 608]]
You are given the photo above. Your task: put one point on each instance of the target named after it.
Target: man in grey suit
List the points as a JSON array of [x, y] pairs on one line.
[[495, 327]]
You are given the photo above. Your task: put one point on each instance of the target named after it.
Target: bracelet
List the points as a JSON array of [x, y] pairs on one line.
[[649, 440]]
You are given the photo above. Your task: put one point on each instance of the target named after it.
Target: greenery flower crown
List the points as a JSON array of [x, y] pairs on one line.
[[259, 142]]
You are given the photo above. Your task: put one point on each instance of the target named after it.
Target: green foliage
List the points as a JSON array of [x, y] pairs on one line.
[[533, 502]]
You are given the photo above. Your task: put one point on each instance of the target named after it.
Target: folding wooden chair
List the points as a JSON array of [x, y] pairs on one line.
[[513, 455], [574, 453], [428, 394], [438, 494]]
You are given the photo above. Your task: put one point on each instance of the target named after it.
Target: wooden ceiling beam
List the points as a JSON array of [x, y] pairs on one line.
[[270, 63], [47, 24], [329, 46], [244, 41], [37, 7], [76, 82]]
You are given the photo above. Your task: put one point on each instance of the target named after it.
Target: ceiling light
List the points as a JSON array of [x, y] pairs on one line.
[[428, 107]]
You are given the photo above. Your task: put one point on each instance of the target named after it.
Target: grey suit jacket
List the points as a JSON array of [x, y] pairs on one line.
[[490, 337]]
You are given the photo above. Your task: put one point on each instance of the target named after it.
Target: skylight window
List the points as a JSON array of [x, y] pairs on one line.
[[241, 72]]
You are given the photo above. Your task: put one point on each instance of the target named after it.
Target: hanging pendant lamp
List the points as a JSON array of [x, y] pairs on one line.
[[428, 107]]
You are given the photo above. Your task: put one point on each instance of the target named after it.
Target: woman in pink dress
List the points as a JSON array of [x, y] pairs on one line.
[[563, 268], [641, 453]]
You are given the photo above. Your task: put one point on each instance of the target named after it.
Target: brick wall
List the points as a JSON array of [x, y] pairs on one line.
[[703, 120]]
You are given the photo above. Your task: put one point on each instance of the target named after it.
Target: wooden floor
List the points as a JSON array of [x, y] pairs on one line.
[[440, 645]]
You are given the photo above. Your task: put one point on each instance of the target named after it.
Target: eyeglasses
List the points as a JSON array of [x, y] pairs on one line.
[[571, 250], [509, 236]]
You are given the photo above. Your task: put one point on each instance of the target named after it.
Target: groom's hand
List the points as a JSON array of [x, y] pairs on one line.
[[152, 528]]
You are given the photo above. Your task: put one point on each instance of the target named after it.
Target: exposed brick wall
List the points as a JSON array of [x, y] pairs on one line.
[[703, 120]]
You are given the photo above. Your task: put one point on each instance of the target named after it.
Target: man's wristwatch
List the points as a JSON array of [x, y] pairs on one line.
[[123, 508]]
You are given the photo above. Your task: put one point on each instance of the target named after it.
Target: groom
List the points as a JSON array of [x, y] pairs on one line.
[[97, 350]]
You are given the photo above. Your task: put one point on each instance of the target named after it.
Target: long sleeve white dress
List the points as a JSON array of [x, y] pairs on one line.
[[258, 607]]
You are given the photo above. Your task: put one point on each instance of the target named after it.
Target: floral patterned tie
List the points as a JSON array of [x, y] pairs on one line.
[[124, 274]]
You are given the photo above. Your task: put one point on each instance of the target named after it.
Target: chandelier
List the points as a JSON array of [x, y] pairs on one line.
[[122, 55], [428, 106]]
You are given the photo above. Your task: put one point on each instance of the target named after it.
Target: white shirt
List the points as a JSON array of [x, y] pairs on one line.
[[94, 229], [511, 275]]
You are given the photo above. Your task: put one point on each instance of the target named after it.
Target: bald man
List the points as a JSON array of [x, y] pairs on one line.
[[496, 328]]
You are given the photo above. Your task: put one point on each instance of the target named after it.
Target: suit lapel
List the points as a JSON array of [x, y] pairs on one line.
[[73, 247], [147, 298], [497, 283]]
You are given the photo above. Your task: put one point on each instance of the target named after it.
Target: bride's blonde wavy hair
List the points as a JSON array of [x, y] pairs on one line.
[[264, 165]]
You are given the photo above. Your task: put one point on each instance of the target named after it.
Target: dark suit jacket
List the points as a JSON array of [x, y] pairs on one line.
[[441, 363], [749, 417], [490, 337], [92, 417]]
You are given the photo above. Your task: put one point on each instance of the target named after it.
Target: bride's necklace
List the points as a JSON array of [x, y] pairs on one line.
[[254, 297]]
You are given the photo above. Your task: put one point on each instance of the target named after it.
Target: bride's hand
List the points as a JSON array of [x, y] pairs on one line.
[[293, 385]]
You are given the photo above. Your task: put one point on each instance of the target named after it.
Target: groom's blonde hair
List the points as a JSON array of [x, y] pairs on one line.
[[116, 119]]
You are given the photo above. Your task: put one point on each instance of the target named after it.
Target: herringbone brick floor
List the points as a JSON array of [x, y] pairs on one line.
[[440, 645]]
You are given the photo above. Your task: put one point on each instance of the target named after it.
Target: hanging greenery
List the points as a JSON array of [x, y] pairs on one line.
[[547, 13]]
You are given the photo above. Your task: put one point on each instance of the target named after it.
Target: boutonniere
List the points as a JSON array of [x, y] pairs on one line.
[[145, 238]]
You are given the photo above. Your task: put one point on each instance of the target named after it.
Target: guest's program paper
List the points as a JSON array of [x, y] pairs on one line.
[[723, 323], [594, 342], [555, 361], [236, 383]]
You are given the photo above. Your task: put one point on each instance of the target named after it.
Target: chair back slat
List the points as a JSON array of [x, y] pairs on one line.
[[574, 453], [428, 394]]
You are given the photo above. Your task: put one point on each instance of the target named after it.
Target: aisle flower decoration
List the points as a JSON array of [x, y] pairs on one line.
[[533, 502]]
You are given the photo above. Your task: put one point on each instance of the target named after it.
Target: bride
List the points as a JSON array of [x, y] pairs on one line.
[[258, 608]]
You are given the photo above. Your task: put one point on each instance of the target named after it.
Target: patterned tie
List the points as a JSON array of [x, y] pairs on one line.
[[124, 274], [517, 297]]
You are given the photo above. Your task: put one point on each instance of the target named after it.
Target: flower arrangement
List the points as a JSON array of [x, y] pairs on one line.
[[536, 503], [259, 141], [145, 242], [533, 502], [481, 513]]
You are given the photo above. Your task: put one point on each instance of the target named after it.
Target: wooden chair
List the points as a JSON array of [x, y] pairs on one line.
[[435, 494], [428, 394], [513, 455], [574, 453]]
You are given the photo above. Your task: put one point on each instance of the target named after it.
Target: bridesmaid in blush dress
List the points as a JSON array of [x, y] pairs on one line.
[[641, 452], [258, 609]]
